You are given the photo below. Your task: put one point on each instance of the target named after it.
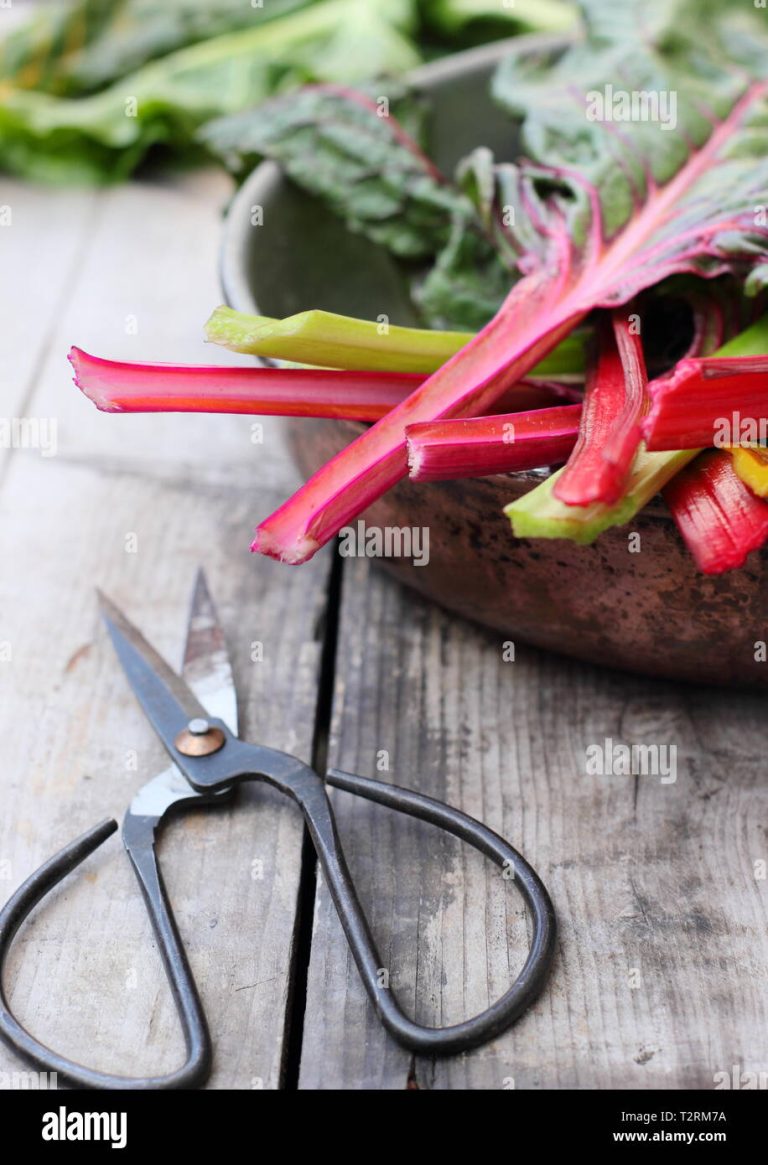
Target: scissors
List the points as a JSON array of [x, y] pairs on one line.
[[195, 716]]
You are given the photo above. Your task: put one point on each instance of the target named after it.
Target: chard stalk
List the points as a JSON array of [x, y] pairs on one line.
[[609, 431], [509, 443], [329, 340], [540, 514], [720, 519]]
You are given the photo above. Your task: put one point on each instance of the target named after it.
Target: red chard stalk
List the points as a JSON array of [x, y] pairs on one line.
[[481, 446], [720, 519], [598, 469]]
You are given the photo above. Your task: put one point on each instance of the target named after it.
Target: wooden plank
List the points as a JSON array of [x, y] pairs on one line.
[[41, 238], [662, 969], [134, 504]]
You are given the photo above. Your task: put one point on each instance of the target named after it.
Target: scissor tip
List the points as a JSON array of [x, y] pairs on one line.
[[103, 599], [110, 612], [201, 582], [202, 603]]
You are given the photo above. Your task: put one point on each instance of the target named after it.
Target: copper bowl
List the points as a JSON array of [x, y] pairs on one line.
[[648, 611]]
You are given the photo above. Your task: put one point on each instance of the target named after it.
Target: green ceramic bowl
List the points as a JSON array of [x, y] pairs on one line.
[[649, 612]]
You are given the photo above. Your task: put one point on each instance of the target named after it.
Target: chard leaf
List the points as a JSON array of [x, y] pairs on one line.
[[646, 145], [467, 285], [351, 149], [348, 148]]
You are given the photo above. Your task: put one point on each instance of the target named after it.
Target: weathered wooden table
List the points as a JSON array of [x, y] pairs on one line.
[[662, 973]]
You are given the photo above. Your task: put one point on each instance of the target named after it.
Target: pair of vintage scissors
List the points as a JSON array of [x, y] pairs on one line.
[[195, 716]]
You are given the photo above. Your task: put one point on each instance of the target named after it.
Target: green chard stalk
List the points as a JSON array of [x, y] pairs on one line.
[[327, 340]]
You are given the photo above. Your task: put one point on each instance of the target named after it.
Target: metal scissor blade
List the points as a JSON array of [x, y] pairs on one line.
[[207, 668], [167, 701]]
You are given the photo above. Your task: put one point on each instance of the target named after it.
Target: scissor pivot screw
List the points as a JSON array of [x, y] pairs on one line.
[[199, 738]]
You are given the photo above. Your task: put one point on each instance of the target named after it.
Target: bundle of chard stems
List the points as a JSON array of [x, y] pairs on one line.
[[696, 433]]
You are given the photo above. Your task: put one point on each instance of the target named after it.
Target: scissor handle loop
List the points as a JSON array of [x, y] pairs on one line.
[[197, 1065], [500, 1015]]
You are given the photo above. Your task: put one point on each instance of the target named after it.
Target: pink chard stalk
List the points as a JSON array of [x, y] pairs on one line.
[[119, 386]]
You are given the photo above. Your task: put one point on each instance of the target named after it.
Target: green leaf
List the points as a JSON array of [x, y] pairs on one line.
[[104, 136], [36, 55], [78, 47], [351, 150], [348, 149], [467, 284]]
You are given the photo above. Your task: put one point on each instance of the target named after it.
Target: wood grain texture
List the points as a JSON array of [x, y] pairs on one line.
[[135, 504], [40, 245], [661, 978]]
